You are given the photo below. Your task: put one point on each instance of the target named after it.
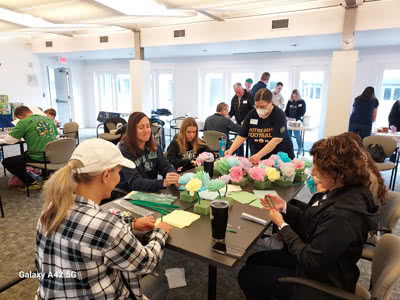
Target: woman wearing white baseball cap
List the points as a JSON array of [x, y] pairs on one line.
[[83, 251]]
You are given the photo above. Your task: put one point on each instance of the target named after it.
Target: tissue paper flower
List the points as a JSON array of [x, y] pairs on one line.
[[205, 156], [272, 174], [225, 178], [284, 157], [236, 174], [245, 164], [257, 174], [232, 161], [307, 162], [193, 186], [215, 185], [268, 162], [222, 167], [274, 157], [298, 164], [204, 177], [287, 169], [185, 178]]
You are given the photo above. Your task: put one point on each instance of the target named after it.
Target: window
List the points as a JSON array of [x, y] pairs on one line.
[[106, 99], [387, 94], [241, 77], [212, 92], [165, 91], [124, 101], [390, 91], [280, 77]]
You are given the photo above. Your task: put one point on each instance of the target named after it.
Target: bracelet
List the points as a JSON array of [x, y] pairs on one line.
[[133, 222]]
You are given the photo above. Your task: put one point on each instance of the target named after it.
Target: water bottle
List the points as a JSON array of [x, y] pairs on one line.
[[222, 146]]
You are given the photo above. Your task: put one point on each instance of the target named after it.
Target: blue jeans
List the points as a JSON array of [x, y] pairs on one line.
[[361, 129], [297, 135]]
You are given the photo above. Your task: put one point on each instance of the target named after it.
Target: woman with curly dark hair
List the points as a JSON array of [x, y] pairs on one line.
[[323, 240]]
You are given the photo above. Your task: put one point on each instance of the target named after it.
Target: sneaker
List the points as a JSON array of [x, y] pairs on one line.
[[34, 186]]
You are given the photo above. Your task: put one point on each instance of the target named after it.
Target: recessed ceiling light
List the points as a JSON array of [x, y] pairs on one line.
[[205, 50], [294, 45]]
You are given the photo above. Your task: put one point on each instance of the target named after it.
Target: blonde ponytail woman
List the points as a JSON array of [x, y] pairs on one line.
[[83, 252]]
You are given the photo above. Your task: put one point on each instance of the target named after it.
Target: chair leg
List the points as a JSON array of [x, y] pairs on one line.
[[1, 208], [27, 191], [391, 179]]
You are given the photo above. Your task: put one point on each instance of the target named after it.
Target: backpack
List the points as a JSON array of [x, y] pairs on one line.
[[377, 153]]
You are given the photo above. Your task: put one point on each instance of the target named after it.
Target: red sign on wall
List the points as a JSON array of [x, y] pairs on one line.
[[62, 60]]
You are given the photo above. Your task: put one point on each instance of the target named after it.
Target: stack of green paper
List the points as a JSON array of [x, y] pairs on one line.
[[243, 197], [151, 197]]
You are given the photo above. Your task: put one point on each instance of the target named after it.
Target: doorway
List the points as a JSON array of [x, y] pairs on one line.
[[60, 93]]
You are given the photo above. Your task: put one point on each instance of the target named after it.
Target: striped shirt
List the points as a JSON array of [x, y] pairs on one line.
[[92, 255]]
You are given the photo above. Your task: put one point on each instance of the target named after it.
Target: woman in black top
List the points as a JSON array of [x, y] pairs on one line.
[[186, 146], [295, 109], [394, 116], [324, 238], [265, 128], [138, 145], [364, 112]]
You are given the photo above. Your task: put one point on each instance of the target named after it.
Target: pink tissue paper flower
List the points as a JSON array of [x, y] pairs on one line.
[[245, 164], [275, 157], [236, 174], [225, 178], [298, 164], [268, 162], [287, 169], [257, 174], [205, 156]]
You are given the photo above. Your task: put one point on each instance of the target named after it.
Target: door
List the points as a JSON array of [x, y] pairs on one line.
[[62, 93]]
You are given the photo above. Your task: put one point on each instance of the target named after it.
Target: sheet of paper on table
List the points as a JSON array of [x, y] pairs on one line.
[[231, 188], [243, 197], [179, 218], [261, 194], [207, 195]]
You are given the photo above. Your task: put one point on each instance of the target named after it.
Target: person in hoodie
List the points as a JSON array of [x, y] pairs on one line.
[[138, 145], [186, 146], [324, 238]]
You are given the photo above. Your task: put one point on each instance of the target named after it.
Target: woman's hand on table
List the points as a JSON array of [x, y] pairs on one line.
[[144, 224], [278, 202], [165, 227], [276, 217], [171, 179], [255, 159]]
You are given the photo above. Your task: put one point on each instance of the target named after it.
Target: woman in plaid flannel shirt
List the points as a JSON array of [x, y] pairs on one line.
[[83, 252]]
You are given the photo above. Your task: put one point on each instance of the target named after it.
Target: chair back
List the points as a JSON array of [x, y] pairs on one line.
[[389, 213], [211, 138], [385, 270], [388, 144], [110, 126], [71, 129], [60, 151]]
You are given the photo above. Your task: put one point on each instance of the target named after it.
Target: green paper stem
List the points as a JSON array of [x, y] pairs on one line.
[[226, 189], [270, 199], [219, 195], [198, 196], [154, 204], [266, 200]]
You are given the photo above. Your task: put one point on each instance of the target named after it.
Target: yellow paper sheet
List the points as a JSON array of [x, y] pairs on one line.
[[231, 188], [179, 218]]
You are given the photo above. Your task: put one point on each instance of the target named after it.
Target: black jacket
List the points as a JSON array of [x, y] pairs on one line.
[[327, 239], [259, 85], [183, 160], [144, 176], [218, 122], [295, 109], [246, 105], [394, 116]]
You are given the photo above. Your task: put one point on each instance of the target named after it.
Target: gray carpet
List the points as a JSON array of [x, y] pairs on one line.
[[17, 248]]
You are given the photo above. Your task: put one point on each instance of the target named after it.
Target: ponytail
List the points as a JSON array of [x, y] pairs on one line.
[[58, 194]]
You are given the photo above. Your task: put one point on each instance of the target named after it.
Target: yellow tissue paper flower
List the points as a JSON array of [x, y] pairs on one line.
[[194, 185], [272, 174]]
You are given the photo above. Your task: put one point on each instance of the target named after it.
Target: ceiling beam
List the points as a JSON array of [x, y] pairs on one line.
[[210, 15]]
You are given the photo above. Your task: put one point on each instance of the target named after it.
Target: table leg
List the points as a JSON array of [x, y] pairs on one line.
[[21, 148], [2, 152], [212, 282]]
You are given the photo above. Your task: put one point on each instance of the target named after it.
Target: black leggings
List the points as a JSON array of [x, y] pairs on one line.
[[259, 277]]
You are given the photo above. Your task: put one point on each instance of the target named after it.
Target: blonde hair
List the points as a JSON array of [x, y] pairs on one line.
[[181, 139], [58, 194]]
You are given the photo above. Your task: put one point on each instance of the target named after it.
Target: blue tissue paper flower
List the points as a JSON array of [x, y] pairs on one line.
[[185, 178], [311, 185], [284, 157], [232, 162]]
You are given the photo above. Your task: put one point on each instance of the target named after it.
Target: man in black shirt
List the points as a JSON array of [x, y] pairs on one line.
[[262, 84], [241, 104], [219, 122]]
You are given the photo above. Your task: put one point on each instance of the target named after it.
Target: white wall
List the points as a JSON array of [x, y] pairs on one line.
[[15, 58]]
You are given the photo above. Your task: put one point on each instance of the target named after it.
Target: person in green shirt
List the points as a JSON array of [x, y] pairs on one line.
[[37, 131]]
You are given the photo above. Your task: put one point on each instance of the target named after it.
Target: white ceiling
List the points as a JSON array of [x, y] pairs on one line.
[[364, 39], [39, 18]]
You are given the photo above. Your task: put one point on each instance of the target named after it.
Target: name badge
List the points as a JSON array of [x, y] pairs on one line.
[[245, 102], [300, 105], [253, 122]]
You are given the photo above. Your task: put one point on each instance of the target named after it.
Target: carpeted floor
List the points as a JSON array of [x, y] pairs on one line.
[[17, 247]]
